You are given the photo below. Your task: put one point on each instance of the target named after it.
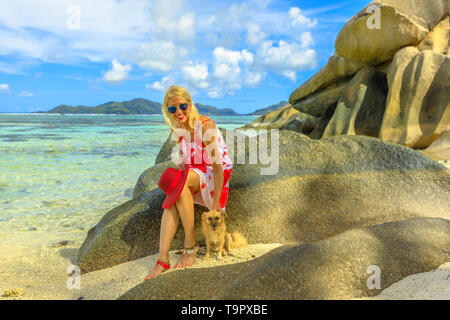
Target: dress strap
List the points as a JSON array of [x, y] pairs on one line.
[[205, 120]]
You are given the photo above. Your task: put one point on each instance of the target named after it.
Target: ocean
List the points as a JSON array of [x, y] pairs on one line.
[[62, 173]]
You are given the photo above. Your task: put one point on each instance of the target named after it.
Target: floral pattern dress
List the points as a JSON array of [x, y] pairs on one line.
[[196, 155]]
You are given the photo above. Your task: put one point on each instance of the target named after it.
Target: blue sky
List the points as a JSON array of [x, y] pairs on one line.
[[243, 55]]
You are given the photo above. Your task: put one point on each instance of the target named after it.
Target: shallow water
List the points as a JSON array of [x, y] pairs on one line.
[[62, 173]]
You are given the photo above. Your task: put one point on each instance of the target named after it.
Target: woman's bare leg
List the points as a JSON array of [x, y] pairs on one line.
[[185, 206], [169, 225]]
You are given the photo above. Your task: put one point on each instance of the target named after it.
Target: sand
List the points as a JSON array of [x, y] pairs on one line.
[[41, 271]]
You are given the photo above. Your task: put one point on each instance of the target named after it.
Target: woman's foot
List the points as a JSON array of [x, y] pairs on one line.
[[159, 268], [187, 259]]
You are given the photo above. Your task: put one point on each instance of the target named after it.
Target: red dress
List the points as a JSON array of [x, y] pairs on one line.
[[196, 155]]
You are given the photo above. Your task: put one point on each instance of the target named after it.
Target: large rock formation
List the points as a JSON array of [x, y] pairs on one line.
[[322, 187], [410, 45], [336, 69], [286, 117], [340, 267], [404, 22], [417, 108], [440, 148], [361, 106], [438, 38], [316, 103]]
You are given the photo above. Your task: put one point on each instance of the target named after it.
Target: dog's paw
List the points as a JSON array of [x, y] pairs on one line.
[[219, 257]]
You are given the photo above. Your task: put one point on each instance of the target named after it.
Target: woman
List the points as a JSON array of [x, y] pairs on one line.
[[205, 156]]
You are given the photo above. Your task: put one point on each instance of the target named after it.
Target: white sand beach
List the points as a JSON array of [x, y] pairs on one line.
[[40, 271]]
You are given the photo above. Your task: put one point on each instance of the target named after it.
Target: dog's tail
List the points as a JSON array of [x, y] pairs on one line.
[[238, 240]]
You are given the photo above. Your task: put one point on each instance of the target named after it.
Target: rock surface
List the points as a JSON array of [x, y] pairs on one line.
[[322, 187], [415, 61], [440, 148], [419, 11], [287, 118], [333, 268], [438, 39], [316, 103], [336, 69], [417, 108], [361, 107], [358, 41], [273, 119]]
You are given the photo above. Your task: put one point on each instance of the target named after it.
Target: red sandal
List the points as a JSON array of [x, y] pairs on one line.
[[162, 264]]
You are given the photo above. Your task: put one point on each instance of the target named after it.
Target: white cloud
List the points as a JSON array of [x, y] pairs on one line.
[[73, 77], [162, 85], [118, 73], [162, 36], [227, 75], [25, 94], [216, 93], [4, 88], [196, 74], [290, 74], [252, 79], [223, 55], [299, 19], [286, 57], [39, 29], [254, 33], [155, 86], [171, 20], [224, 71], [306, 39], [161, 56]]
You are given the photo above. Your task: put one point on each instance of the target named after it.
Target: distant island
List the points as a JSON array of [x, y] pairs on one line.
[[144, 106]]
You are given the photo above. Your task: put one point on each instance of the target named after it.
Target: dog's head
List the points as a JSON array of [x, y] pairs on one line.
[[213, 218]]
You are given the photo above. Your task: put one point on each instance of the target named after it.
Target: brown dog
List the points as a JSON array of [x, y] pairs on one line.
[[216, 236]]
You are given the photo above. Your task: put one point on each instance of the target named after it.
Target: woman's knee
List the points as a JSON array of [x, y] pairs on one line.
[[193, 181], [172, 212]]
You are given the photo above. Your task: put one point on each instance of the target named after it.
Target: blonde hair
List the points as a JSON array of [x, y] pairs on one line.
[[177, 91]]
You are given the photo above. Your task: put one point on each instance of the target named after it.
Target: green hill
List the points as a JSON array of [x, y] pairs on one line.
[[135, 106], [144, 106], [209, 110], [268, 109]]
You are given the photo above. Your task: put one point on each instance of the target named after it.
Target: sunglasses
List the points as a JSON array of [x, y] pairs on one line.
[[173, 109]]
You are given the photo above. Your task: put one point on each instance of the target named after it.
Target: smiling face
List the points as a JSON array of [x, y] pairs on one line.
[[181, 116]]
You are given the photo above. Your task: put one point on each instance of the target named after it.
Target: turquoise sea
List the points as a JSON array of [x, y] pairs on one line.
[[62, 173]]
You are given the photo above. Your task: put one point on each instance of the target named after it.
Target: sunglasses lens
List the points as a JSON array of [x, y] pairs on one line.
[[172, 109], [183, 106]]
